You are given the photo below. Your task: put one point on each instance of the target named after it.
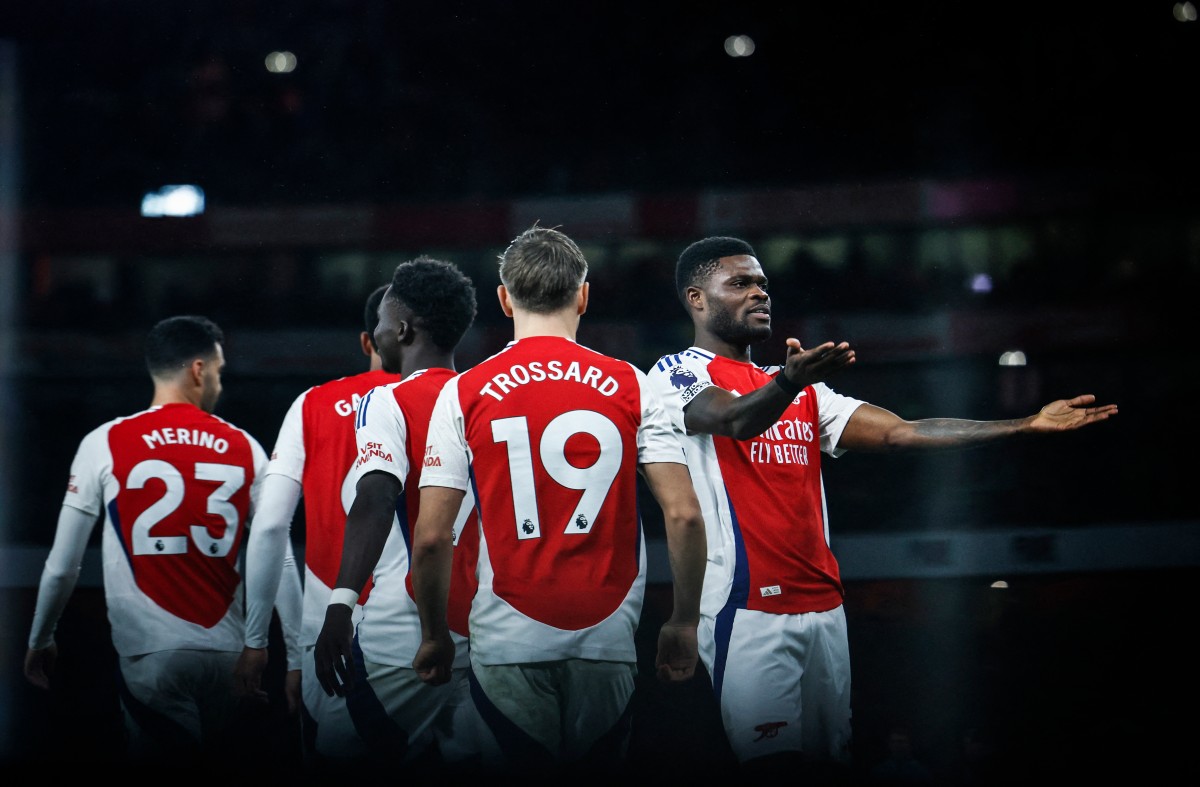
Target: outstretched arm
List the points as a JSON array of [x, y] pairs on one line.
[[432, 555], [875, 429], [720, 412], [687, 547], [367, 527]]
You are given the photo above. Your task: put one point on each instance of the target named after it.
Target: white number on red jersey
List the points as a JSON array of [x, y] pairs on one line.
[[594, 481], [144, 542]]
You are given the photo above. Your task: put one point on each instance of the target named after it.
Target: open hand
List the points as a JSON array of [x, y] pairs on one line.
[[805, 367], [1065, 414]]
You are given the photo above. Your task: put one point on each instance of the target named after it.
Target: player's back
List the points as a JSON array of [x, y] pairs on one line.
[[552, 429], [415, 400], [393, 422], [321, 460], [177, 494]]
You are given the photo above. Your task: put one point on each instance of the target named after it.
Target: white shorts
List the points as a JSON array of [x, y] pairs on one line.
[[178, 701], [327, 728], [782, 682], [401, 717], [548, 713]]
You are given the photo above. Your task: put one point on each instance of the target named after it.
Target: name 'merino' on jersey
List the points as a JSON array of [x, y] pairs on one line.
[[175, 485]]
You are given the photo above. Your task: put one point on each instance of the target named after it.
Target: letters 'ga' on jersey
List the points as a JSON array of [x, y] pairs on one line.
[[391, 429], [315, 448], [176, 486], [763, 499], [551, 433]]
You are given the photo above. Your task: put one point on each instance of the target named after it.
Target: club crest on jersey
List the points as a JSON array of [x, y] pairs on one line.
[[769, 729]]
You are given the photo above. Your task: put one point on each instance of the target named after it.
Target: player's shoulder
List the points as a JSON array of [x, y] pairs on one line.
[[434, 376], [596, 358], [683, 363], [350, 384], [387, 396], [121, 419], [223, 423], [152, 417], [100, 432]]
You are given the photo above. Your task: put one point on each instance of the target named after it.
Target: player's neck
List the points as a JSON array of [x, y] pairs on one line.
[[171, 395], [718, 346], [563, 323], [415, 359]]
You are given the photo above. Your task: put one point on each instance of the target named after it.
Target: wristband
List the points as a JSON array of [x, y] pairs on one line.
[[344, 596], [787, 385]]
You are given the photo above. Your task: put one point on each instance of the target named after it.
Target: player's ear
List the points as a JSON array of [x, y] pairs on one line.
[[694, 298], [505, 300], [364, 340], [581, 299], [196, 372], [406, 331]]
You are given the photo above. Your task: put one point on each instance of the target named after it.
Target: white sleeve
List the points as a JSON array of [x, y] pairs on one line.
[[657, 438], [288, 456], [60, 573], [289, 603], [92, 463], [259, 457], [677, 379], [267, 548], [834, 411], [447, 457], [381, 434]]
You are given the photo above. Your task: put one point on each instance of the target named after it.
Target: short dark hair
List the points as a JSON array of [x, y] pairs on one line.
[[175, 342], [542, 269], [441, 297], [699, 260], [371, 312]]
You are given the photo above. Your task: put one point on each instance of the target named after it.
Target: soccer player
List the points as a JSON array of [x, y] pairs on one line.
[[177, 486], [428, 308], [773, 630], [550, 435], [313, 458]]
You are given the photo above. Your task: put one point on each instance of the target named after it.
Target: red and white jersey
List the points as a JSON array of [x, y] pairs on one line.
[[176, 486], [315, 447], [391, 429], [763, 498], [550, 435]]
